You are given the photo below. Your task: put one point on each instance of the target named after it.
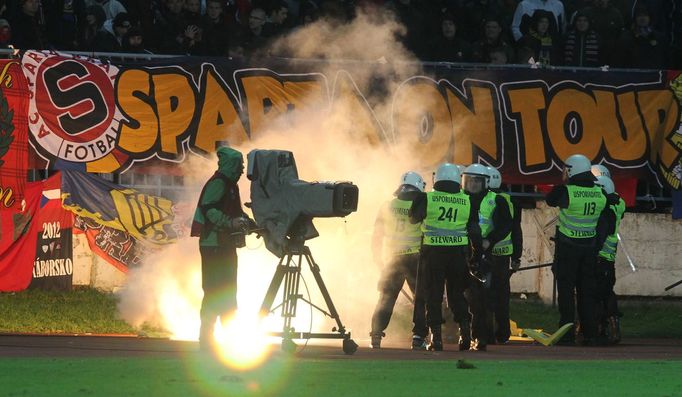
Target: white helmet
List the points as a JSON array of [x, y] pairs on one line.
[[606, 183], [413, 179], [476, 178], [599, 169], [577, 164], [447, 172], [495, 178]]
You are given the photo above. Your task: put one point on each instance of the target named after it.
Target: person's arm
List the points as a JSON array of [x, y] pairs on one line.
[[502, 222], [418, 209], [606, 226], [516, 21], [209, 202], [557, 197], [517, 234], [475, 239]]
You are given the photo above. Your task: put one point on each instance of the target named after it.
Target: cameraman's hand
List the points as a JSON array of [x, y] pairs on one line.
[[239, 224], [515, 265]]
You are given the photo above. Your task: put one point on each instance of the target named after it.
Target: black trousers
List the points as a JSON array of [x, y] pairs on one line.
[[574, 269], [219, 282], [607, 304], [448, 266], [403, 268], [497, 300]]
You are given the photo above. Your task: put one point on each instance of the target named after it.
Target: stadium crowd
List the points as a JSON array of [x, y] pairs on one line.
[[618, 33]]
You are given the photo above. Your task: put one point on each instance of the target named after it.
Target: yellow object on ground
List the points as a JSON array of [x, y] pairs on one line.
[[548, 339]]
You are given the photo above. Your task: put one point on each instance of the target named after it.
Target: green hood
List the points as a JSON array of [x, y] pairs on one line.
[[230, 163]]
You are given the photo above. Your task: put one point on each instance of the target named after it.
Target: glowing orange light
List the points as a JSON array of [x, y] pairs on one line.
[[242, 341]]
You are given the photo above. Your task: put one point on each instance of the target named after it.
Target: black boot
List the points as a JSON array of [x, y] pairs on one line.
[[436, 340], [614, 329], [376, 339], [464, 335]]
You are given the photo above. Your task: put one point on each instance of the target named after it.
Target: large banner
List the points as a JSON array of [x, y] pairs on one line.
[[13, 134], [104, 117]]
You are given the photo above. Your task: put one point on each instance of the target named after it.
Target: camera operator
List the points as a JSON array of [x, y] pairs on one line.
[[449, 226], [221, 225]]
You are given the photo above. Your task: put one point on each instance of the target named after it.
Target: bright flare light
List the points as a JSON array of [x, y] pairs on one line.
[[243, 342]]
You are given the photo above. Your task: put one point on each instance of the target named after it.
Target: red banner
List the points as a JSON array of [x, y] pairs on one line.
[[14, 101], [18, 242]]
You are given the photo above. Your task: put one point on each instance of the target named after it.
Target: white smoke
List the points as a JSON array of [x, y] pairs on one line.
[[324, 150]]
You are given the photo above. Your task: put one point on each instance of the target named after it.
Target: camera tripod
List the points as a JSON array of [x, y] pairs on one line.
[[289, 272]]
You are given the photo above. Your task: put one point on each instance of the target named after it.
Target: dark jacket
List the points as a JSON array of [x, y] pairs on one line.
[[27, 34], [455, 50], [642, 49]]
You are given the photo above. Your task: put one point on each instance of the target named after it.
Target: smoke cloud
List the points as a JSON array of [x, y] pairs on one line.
[[328, 144]]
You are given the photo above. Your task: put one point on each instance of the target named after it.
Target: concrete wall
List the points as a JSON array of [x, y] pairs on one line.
[[90, 269], [651, 240]]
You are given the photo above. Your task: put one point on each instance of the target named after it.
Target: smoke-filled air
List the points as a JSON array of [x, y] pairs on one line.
[[166, 290]]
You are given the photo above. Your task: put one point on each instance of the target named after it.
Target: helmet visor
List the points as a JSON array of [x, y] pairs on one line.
[[473, 183]]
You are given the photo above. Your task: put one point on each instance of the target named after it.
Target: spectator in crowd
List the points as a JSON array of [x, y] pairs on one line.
[[641, 46], [62, 20], [448, 47], [581, 43], [541, 39], [133, 41], [111, 39], [171, 28], [492, 39], [527, 8], [608, 23], [660, 11], [192, 10], [308, 12], [5, 34], [27, 33], [93, 22], [498, 56], [251, 38], [216, 30], [474, 12], [111, 8], [275, 22]]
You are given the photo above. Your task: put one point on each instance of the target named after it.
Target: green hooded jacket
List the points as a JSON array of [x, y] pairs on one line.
[[231, 165]]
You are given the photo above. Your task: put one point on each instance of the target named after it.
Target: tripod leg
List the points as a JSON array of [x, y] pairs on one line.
[[277, 278], [315, 269]]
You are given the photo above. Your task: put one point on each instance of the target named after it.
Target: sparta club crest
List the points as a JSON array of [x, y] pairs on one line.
[[72, 112]]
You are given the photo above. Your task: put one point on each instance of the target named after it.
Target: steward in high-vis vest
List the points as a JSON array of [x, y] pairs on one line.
[[608, 315], [505, 255], [582, 227], [450, 227], [218, 217], [395, 245], [495, 220]]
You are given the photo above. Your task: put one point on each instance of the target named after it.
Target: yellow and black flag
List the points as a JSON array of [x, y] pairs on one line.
[[146, 218]]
